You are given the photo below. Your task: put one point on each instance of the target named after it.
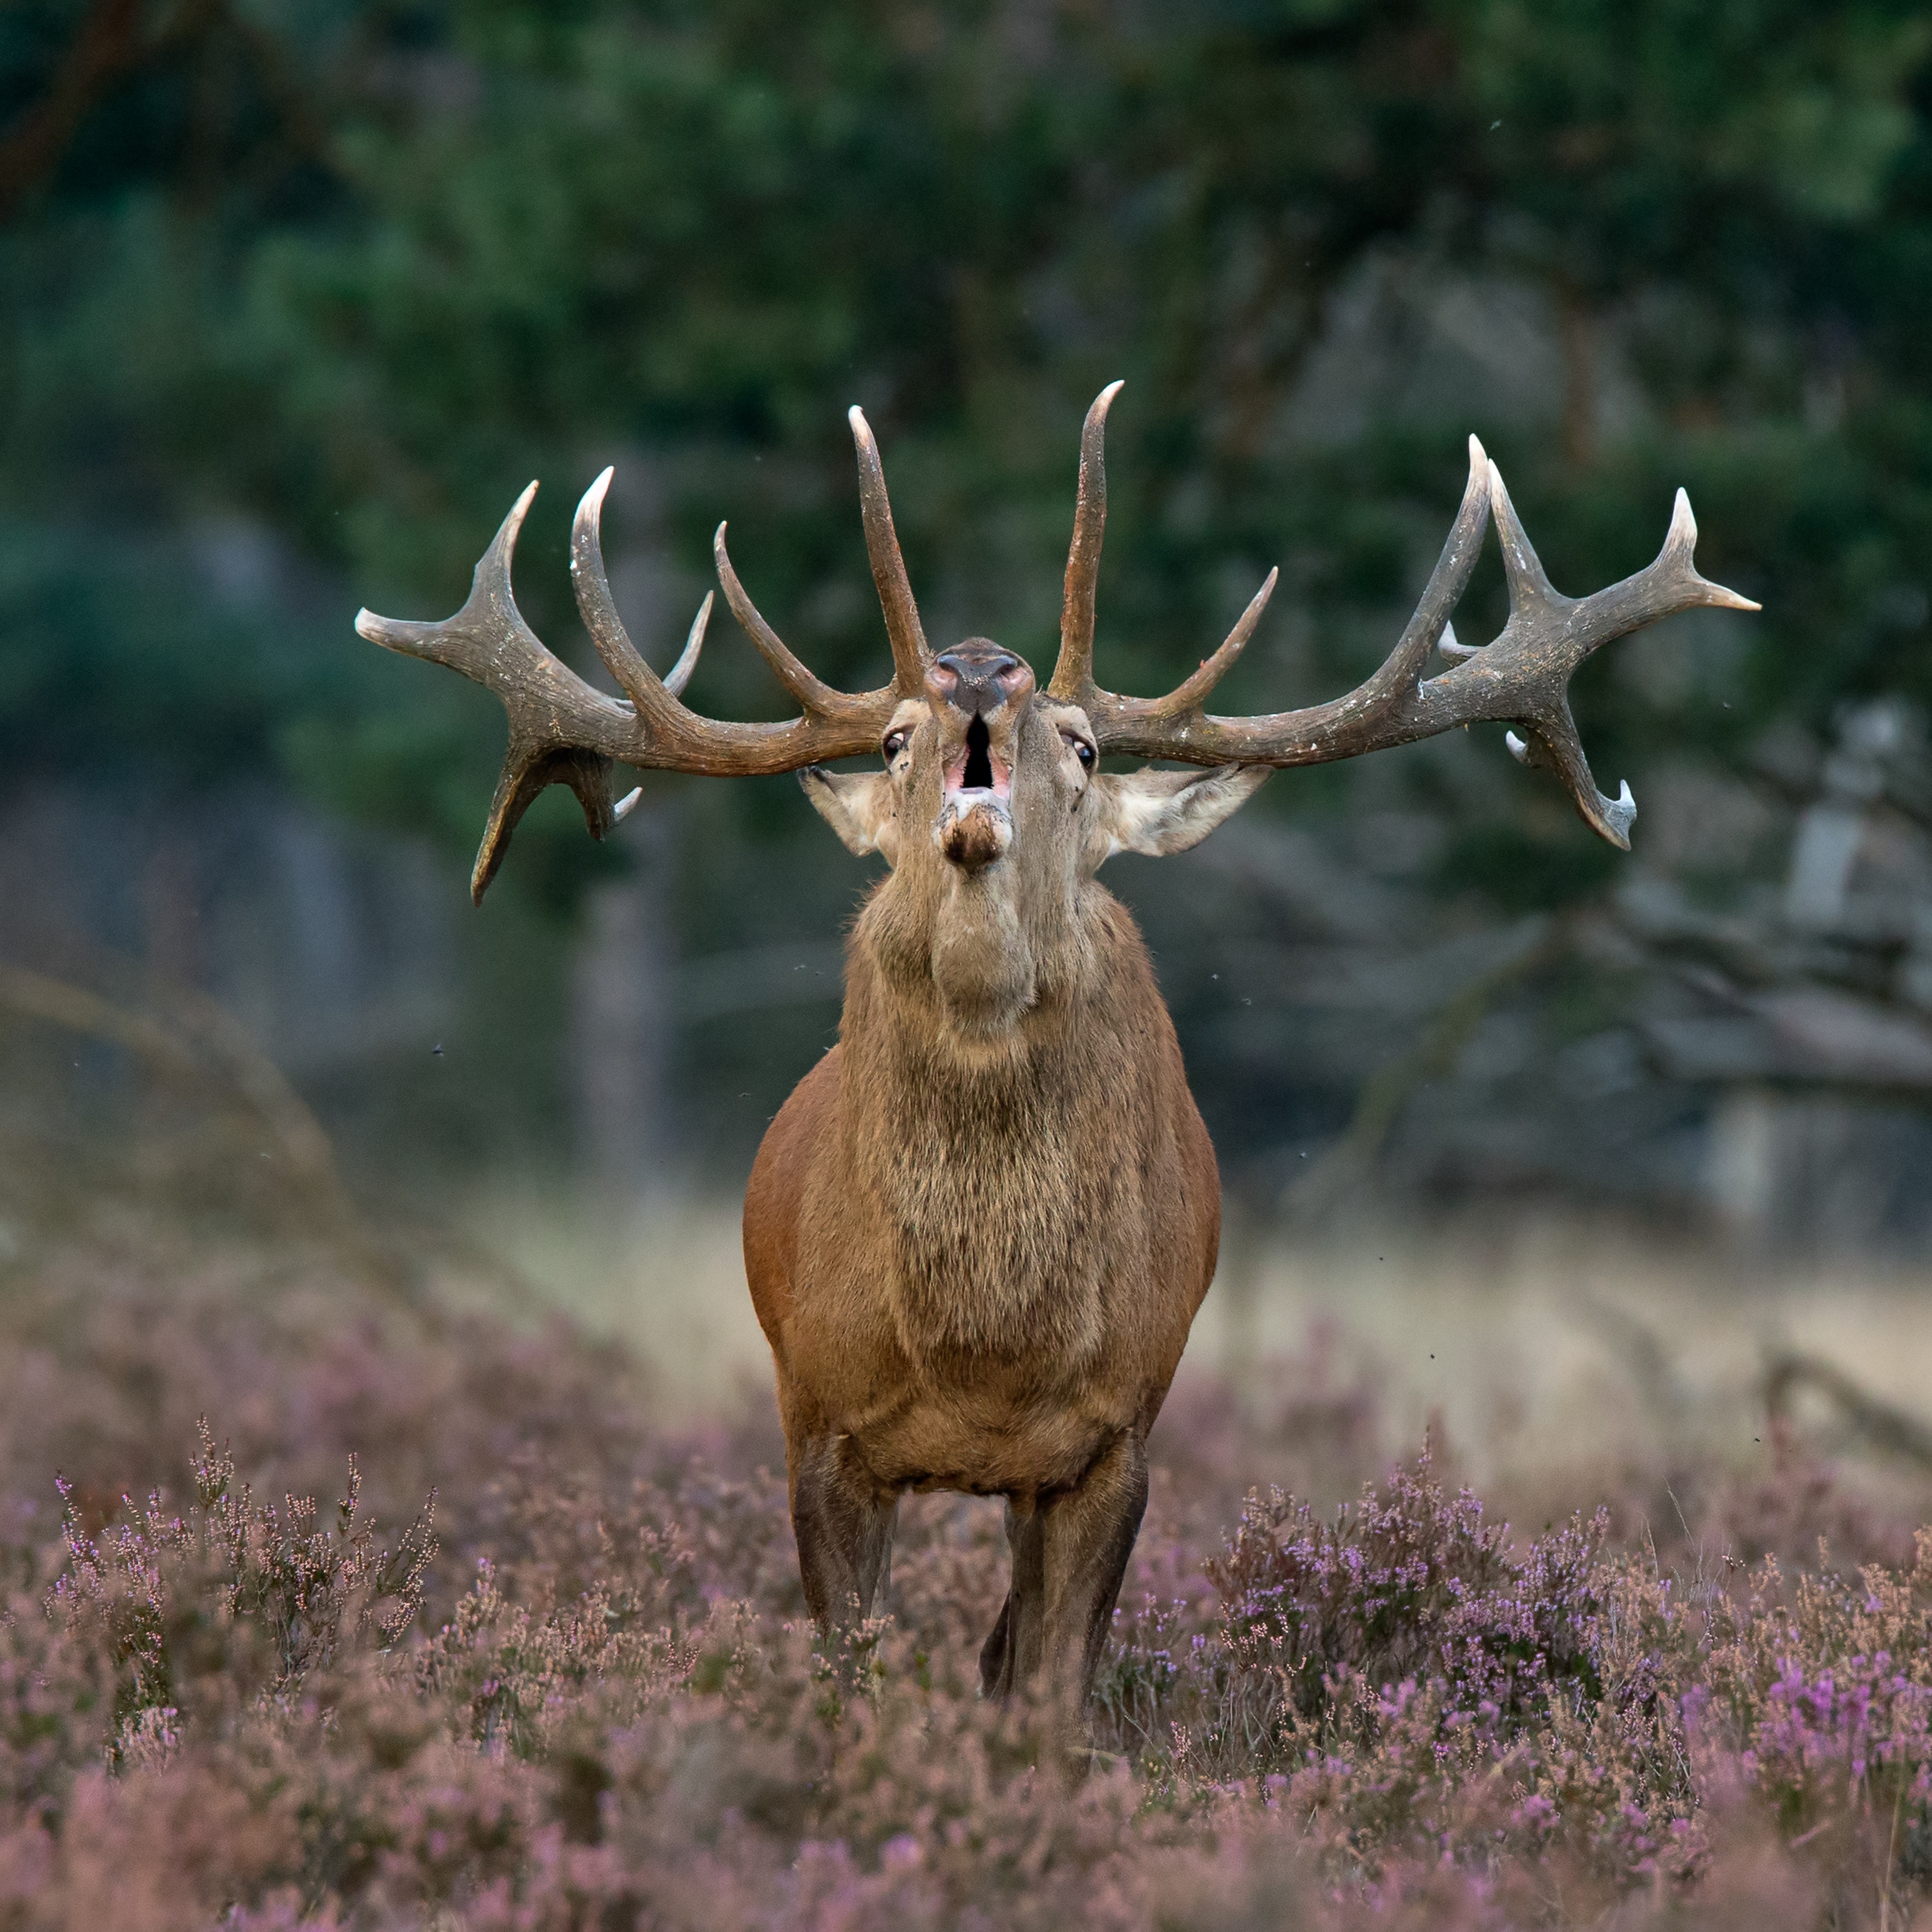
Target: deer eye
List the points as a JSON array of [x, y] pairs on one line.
[[1082, 750], [895, 743]]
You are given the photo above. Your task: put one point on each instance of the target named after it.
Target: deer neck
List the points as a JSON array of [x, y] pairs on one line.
[[975, 955], [989, 1148]]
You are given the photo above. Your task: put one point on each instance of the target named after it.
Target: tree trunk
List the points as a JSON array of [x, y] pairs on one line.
[[1577, 330], [624, 964]]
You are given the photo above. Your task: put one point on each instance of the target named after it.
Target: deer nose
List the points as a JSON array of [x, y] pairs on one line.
[[977, 676]]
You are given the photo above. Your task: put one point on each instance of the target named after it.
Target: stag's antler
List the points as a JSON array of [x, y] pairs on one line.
[[1521, 678], [564, 731]]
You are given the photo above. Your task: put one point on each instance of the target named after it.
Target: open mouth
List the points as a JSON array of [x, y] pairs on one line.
[[974, 769]]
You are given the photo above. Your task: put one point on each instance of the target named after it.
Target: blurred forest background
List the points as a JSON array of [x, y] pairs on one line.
[[296, 294]]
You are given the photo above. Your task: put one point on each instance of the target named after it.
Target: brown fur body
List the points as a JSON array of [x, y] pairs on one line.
[[977, 1234], [979, 1263]]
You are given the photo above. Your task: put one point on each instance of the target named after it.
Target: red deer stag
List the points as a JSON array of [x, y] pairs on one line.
[[978, 1232]]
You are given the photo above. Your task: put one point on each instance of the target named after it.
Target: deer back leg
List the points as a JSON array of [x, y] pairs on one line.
[[1011, 1654], [1070, 1549], [1087, 1535], [843, 1518]]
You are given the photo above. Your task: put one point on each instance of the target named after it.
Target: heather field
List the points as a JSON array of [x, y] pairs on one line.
[[393, 1520], [347, 1585]]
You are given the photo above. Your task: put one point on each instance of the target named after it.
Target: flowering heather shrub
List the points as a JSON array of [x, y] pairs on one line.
[[1410, 1584], [589, 1699], [1825, 1691], [232, 1598]]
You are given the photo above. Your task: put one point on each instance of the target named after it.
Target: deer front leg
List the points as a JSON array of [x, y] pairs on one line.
[[1069, 1552], [842, 1517]]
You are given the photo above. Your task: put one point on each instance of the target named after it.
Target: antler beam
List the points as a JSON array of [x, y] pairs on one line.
[[1521, 679], [564, 731]]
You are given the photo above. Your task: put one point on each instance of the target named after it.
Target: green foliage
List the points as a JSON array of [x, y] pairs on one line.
[[352, 273], [1520, 871]]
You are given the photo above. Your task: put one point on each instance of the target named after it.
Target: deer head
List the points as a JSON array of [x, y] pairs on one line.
[[992, 812], [991, 807]]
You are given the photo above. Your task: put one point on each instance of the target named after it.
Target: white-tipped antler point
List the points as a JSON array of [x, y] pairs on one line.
[[1681, 541], [1478, 455], [626, 804], [1619, 815], [1519, 748], [1683, 532], [368, 626], [590, 518], [505, 547]]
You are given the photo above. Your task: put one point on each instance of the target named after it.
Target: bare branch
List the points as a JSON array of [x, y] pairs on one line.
[[108, 44]]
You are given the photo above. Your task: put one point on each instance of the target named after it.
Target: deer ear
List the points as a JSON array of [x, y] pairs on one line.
[[857, 805], [1159, 812]]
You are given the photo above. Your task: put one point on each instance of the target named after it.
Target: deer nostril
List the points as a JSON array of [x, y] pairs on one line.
[[977, 680], [977, 676], [976, 668]]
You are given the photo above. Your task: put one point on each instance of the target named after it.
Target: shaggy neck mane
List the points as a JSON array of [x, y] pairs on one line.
[[996, 1158]]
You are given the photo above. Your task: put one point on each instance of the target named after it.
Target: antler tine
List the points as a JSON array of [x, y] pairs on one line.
[[1521, 678], [1191, 693], [565, 731], [1073, 671], [1175, 726], [1530, 588], [1552, 634], [487, 640], [640, 683], [526, 773], [599, 608], [458, 641], [680, 673], [910, 652], [1680, 544], [1553, 744], [1403, 670], [817, 696]]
